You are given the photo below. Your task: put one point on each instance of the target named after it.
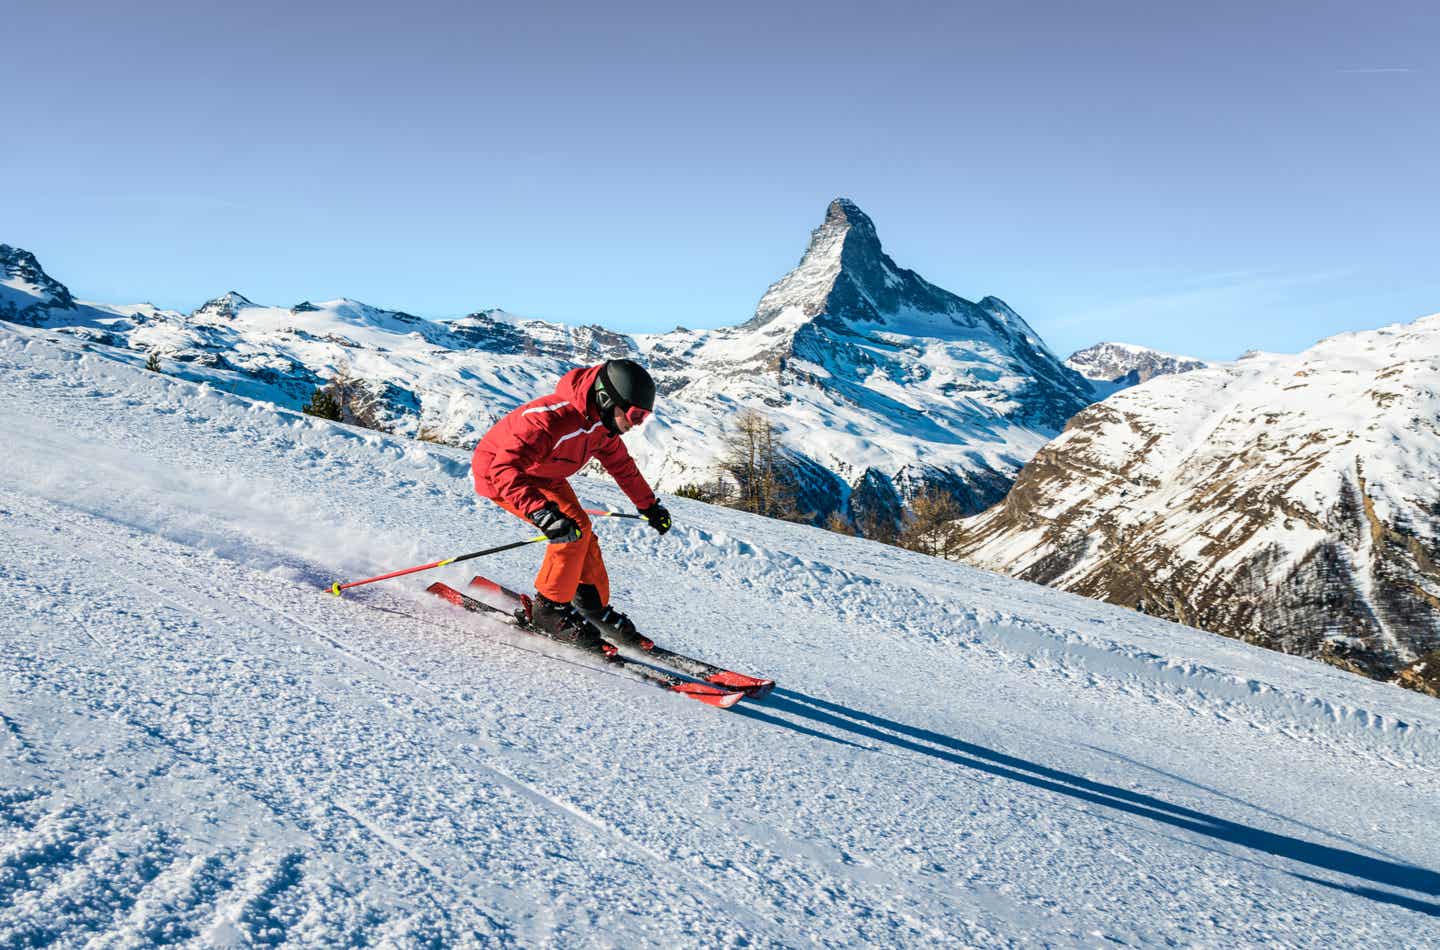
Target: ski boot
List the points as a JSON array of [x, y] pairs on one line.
[[614, 626], [564, 624]]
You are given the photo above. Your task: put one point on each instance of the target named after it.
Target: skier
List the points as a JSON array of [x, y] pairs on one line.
[[521, 464]]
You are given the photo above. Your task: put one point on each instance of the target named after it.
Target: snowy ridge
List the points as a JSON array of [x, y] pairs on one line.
[[880, 384], [1289, 500], [197, 745]]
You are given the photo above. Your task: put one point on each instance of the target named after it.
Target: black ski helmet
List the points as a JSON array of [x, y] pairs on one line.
[[624, 383]]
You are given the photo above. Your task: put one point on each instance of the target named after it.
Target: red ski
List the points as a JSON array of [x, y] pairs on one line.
[[710, 695], [752, 686]]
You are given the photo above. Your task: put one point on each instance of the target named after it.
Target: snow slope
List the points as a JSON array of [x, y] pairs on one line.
[[196, 745]]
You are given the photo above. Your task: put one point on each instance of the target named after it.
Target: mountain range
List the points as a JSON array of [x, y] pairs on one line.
[[878, 384]]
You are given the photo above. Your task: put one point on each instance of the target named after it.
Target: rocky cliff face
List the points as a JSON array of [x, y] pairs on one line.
[[27, 293], [1125, 364], [1289, 501], [879, 384]]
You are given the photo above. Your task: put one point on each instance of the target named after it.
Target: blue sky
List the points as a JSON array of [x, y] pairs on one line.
[[1204, 179]]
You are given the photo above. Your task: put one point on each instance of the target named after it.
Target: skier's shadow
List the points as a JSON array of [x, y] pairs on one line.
[[968, 754]]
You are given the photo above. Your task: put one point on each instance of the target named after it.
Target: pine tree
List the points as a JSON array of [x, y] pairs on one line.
[[323, 405], [347, 398], [152, 362]]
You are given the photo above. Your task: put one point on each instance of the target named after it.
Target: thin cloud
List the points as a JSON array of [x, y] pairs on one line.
[[1213, 293], [1379, 69]]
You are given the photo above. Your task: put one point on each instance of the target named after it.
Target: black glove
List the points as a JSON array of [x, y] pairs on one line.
[[558, 528], [658, 516]]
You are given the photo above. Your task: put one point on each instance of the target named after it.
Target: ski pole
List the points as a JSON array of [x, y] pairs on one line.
[[605, 513], [337, 587]]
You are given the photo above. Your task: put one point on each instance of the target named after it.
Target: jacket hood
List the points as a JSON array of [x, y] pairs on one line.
[[574, 387]]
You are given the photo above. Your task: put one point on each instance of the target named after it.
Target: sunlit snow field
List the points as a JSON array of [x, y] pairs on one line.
[[197, 745]]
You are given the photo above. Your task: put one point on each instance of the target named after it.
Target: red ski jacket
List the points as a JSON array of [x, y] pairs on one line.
[[548, 440]]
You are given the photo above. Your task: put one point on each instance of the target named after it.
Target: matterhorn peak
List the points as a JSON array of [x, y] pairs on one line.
[[848, 284], [844, 213], [961, 391], [846, 237]]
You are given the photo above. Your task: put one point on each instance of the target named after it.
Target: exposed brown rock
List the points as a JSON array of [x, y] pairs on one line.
[[1301, 516]]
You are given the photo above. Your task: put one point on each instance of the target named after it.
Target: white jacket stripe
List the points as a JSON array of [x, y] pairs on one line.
[[550, 408], [577, 432]]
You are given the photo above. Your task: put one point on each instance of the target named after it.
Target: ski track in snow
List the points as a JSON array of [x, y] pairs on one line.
[[198, 746]]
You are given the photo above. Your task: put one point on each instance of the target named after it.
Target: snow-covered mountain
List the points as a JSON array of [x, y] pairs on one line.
[[199, 747], [877, 382], [1119, 365], [882, 383], [445, 381], [1289, 500], [27, 293]]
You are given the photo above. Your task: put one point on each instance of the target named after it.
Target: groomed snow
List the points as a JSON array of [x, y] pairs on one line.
[[196, 745]]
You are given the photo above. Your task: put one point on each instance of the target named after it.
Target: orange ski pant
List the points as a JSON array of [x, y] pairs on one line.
[[567, 566]]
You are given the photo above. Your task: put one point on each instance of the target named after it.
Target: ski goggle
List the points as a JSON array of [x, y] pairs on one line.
[[636, 415]]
